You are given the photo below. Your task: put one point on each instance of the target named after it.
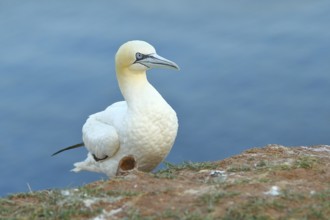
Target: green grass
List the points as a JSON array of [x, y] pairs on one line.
[[43, 205], [211, 200], [306, 162], [239, 168], [55, 204], [219, 200], [171, 170], [197, 214], [289, 205]]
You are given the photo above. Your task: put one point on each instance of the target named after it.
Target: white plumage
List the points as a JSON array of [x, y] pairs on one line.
[[143, 126]]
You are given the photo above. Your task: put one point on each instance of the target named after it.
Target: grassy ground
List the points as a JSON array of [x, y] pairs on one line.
[[273, 182]]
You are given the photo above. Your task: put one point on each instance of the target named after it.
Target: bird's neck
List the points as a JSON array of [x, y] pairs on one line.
[[136, 88]]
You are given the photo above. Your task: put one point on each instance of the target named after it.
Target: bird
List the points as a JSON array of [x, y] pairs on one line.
[[143, 126]]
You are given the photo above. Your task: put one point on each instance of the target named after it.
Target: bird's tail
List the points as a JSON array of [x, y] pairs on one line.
[[69, 148]]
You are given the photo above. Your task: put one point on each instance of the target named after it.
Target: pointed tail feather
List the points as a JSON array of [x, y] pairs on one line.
[[69, 148]]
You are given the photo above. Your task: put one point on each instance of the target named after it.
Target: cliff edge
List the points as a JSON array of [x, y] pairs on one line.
[[273, 182]]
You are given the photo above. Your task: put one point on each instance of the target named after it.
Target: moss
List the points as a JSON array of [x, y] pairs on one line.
[[211, 200], [135, 214], [43, 205], [171, 170], [306, 162], [194, 195], [239, 168]]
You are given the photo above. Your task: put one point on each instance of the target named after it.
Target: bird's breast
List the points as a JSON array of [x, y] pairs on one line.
[[152, 131]]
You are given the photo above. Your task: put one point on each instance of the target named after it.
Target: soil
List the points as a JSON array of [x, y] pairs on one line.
[[273, 182]]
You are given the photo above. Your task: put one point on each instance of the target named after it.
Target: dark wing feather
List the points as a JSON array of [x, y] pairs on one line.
[[69, 148]]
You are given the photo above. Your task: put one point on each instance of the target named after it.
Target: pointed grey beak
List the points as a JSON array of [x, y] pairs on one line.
[[155, 61]]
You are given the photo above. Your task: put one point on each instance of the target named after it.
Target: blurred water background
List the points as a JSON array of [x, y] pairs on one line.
[[252, 73]]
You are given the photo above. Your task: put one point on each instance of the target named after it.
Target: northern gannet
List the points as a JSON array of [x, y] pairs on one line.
[[144, 126]]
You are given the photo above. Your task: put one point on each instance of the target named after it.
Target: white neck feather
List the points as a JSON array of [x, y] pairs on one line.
[[136, 89]]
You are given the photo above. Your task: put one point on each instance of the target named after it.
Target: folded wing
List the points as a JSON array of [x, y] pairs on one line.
[[101, 139]]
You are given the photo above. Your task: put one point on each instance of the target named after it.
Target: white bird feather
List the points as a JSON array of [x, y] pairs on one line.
[[143, 126]]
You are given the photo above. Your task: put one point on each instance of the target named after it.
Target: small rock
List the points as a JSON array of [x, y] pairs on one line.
[[217, 176], [274, 191], [217, 173], [65, 192]]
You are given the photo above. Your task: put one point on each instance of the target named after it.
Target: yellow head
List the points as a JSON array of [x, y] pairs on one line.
[[140, 56]]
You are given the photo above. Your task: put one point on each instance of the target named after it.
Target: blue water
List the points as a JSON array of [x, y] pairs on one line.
[[252, 73]]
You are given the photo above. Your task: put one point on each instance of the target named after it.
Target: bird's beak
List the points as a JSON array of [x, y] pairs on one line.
[[155, 61]]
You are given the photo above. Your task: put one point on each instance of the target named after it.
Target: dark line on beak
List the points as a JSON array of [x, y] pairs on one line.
[[142, 64]]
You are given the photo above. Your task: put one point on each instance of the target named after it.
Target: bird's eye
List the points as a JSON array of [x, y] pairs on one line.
[[139, 56]]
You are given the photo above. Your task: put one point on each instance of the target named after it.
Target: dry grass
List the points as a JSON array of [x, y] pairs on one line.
[[239, 187]]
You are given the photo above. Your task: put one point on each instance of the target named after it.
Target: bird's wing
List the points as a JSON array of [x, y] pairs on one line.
[[69, 148], [100, 132]]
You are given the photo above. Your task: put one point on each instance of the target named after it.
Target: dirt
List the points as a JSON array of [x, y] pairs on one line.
[[273, 182]]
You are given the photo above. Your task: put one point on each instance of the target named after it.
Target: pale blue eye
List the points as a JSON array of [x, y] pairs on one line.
[[139, 56]]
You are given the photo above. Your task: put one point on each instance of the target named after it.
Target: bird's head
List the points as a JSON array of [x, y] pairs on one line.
[[140, 56]]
